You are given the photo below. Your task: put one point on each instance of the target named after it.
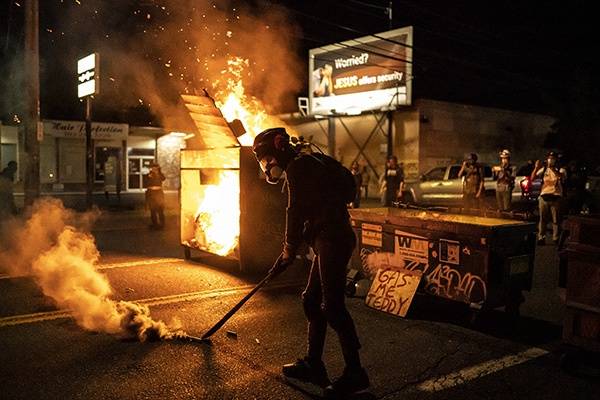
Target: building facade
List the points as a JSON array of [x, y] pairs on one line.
[[427, 134], [122, 157]]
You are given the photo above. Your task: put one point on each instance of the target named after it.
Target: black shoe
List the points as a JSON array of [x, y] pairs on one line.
[[351, 381], [309, 371]]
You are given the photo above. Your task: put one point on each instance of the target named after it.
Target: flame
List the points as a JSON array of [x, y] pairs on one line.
[[218, 215], [234, 103]]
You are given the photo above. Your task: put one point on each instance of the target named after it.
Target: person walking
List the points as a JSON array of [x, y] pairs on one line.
[[551, 195], [473, 182], [504, 174], [155, 197], [316, 214]]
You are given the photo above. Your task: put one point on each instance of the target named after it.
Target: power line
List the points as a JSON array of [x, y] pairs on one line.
[[429, 53]]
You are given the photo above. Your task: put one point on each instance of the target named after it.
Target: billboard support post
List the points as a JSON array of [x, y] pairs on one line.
[[390, 133], [331, 136]]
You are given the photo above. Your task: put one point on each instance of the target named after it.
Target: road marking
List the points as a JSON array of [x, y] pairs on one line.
[[480, 370], [124, 264], [150, 302]]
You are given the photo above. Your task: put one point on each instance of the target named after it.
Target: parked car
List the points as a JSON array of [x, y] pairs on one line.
[[442, 186]]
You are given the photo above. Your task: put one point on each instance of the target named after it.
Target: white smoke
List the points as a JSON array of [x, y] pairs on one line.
[[53, 247]]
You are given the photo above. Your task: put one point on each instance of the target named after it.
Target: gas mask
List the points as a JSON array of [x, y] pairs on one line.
[[272, 170]]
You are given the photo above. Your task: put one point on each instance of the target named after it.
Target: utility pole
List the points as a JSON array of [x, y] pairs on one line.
[[390, 113], [32, 93], [89, 155]]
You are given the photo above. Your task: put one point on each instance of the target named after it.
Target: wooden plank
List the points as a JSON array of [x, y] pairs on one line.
[[202, 100]]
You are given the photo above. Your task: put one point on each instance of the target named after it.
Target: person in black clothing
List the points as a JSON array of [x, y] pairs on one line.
[[7, 199], [392, 181], [155, 197], [575, 187], [320, 217], [355, 169]]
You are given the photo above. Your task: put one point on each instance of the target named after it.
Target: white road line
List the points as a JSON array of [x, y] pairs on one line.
[[151, 302], [480, 370], [124, 264]]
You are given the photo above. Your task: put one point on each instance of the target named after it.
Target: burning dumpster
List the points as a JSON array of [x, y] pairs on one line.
[[227, 208], [484, 262]]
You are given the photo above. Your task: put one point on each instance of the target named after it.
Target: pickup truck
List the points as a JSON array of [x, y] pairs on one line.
[[442, 186]]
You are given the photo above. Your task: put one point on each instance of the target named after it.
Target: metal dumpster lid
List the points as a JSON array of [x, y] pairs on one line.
[[213, 129], [393, 213]]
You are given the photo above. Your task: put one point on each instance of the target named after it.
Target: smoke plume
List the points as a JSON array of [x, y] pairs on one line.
[[54, 248], [153, 51]]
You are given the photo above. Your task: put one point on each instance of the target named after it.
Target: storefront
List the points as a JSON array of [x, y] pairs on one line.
[[122, 156]]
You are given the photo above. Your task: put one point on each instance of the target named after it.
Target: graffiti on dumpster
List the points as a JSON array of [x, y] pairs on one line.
[[448, 282], [445, 279], [392, 291]]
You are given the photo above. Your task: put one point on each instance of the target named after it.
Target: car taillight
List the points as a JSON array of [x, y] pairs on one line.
[[525, 184]]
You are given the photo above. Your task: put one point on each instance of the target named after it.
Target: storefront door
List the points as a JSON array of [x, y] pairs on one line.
[[137, 169]]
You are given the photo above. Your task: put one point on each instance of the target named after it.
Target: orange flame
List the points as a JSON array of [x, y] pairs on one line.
[[218, 215], [234, 103]]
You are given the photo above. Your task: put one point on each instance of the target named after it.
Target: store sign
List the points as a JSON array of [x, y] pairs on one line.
[[369, 73], [76, 130], [87, 75]]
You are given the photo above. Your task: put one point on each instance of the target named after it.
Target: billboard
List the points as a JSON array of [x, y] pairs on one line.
[[369, 73]]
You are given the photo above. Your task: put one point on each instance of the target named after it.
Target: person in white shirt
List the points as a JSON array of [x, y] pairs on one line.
[[551, 195]]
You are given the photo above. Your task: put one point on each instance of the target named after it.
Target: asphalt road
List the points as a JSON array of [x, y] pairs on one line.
[[438, 351]]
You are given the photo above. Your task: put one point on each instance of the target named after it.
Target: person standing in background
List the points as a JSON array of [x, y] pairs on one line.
[[365, 181], [7, 198], [155, 197], [355, 169], [505, 181], [472, 172], [551, 195], [391, 182]]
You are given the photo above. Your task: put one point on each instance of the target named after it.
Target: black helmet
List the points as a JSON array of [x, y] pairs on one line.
[[552, 154], [272, 141]]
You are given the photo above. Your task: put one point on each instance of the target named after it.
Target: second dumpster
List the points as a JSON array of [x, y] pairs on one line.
[[481, 261]]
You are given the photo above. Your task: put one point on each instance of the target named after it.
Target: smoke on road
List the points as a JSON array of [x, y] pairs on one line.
[[53, 245]]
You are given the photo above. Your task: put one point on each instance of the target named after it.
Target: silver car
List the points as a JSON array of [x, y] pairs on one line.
[[442, 186]]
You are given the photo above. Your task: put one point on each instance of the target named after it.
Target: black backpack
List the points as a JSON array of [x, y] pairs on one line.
[[343, 183]]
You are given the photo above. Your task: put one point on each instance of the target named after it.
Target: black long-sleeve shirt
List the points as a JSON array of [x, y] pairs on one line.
[[311, 201]]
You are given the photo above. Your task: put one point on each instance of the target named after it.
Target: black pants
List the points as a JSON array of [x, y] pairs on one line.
[[156, 202], [324, 298]]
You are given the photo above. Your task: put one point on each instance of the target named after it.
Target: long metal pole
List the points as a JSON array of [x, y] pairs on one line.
[[230, 313], [89, 153], [32, 90], [390, 113]]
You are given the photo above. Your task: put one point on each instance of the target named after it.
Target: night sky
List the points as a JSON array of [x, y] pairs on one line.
[[523, 55]]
